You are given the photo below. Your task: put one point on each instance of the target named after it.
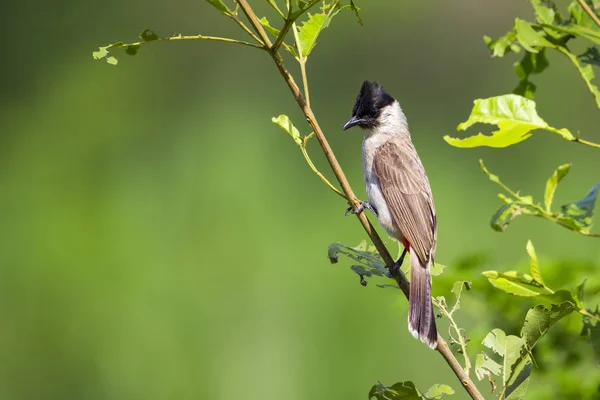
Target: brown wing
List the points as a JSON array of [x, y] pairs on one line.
[[406, 190]]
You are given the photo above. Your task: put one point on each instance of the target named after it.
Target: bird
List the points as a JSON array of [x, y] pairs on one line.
[[399, 194]]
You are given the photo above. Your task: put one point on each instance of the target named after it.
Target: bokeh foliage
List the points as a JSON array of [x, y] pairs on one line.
[[117, 237]]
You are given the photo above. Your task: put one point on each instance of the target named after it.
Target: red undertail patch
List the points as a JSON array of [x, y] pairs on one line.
[[406, 244]]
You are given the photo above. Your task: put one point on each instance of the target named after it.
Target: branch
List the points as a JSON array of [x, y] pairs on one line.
[[234, 17], [589, 11], [442, 347], [587, 143]]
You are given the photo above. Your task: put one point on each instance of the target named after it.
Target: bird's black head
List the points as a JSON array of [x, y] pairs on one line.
[[371, 99]]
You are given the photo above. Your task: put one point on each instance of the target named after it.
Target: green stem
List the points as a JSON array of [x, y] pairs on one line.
[[190, 37], [319, 174], [235, 18], [461, 341], [302, 61], [274, 5], [588, 83], [587, 143], [585, 312]]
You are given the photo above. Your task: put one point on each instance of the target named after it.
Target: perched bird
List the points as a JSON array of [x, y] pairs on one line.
[[399, 194]]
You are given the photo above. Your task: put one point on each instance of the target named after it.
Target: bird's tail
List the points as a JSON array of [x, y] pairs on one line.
[[421, 321]]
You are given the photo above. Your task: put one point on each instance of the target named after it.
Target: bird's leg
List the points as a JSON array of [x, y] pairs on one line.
[[396, 268], [361, 208]]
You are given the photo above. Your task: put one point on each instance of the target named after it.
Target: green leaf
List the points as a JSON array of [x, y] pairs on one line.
[[516, 283], [531, 63], [437, 269], [531, 39], [525, 88], [553, 182], [285, 123], [515, 116], [506, 214], [265, 23], [369, 262], [507, 347], [437, 391], [503, 44], [310, 30], [457, 289], [580, 295], [580, 17], [516, 288], [581, 212], [545, 11], [485, 366], [585, 70], [148, 35], [590, 56], [219, 5], [560, 296], [398, 391], [534, 267], [539, 319], [356, 11]]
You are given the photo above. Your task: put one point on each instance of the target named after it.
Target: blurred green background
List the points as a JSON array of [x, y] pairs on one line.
[[162, 239]]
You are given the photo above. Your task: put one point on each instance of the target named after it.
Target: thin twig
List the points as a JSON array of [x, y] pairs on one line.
[[302, 61], [274, 5], [589, 11], [587, 143], [588, 314], [442, 347], [319, 174], [233, 16], [461, 341], [188, 37], [253, 19]]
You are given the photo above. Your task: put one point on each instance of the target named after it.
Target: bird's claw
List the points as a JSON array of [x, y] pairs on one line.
[[361, 207], [396, 267]]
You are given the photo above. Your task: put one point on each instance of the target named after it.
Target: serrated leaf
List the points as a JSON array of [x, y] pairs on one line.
[[515, 381], [507, 347], [437, 392], [485, 366], [265, 23], [284, 122], [552, 183], [545, 12], [579, 214], [515, 116], [310, 30], [540, 318], [534, 267], [398, 391], [538, 321], [560, 296], [219, 5], [369, 261]]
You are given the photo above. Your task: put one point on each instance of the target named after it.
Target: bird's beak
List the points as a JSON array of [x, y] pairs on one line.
[[351, 122]]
